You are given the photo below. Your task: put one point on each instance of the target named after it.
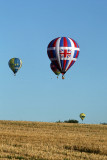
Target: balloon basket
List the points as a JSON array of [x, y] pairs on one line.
[[63, 77]]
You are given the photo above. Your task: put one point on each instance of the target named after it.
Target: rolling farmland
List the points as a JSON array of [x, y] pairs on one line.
[[52, 141]]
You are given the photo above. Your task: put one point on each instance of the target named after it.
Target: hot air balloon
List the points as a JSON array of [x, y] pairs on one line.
[[63, 52], [15, 64], [82, 116], [54, 69]]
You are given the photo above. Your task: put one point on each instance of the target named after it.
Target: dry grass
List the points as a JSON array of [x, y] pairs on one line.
[[52, 141]]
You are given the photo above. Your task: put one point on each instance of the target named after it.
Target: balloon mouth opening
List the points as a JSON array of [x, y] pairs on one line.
[[15, 72], [63, 72]]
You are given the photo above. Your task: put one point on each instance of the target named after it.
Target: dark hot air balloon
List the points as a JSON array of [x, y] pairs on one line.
[[54, 69]]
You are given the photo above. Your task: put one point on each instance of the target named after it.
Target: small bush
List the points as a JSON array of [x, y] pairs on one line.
[[103, 123], [58, 121]]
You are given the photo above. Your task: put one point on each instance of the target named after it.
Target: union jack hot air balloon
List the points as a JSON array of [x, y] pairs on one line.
[[63, 52]]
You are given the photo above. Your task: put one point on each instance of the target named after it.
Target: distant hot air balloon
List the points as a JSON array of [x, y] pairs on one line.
[[15, 64], [54, 69], [82, 116], [63, 52]]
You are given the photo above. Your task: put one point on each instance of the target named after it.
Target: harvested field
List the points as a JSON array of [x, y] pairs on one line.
[[52, 141]]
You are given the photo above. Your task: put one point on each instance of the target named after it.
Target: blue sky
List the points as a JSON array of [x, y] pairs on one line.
[[35, 94]]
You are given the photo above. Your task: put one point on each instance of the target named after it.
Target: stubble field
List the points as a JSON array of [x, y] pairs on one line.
[[52, 141]]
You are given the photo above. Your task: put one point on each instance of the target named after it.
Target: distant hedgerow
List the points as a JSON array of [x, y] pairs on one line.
[[68, 121], [71, 121]]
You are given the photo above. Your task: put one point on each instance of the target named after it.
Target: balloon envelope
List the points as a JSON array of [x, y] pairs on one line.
[[63, 52], [15, 64], [82, 116]]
